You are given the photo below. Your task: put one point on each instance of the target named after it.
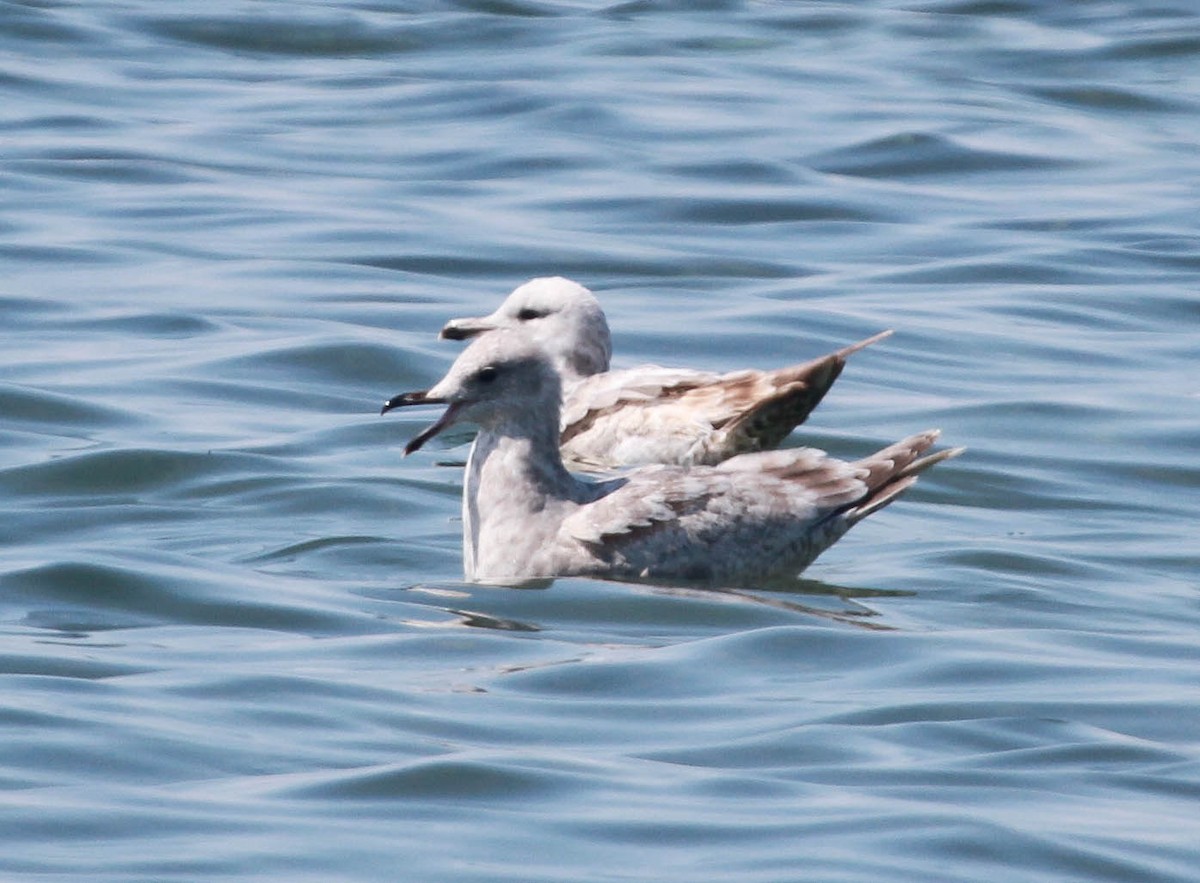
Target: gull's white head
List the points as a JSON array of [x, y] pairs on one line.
[[560, 314], [505, 379]]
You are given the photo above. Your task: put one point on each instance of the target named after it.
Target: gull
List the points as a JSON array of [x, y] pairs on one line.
[[754, 517], [649, 414]]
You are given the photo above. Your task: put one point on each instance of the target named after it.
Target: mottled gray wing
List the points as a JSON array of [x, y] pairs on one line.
[[773, 491]]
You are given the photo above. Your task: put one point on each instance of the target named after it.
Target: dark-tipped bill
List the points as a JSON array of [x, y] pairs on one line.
[[421, 398], [464, 329]]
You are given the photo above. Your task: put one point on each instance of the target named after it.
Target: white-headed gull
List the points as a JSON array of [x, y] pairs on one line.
[[648, 414]]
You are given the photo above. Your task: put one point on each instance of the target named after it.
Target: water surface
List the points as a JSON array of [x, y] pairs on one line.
[[234, 638]]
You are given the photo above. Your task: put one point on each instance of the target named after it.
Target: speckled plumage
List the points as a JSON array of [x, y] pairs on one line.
[[754, 517], [637, 416]]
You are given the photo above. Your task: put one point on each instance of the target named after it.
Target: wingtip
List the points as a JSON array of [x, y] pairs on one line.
[[950, 453], [863, 344], [902, 479], [924, 462], [921, 441]]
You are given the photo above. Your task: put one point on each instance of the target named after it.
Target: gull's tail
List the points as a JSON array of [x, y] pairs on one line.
[[776, 402], [890, 472]]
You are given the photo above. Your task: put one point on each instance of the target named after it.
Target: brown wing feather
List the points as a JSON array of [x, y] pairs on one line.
[[890, 472], [755, 409]]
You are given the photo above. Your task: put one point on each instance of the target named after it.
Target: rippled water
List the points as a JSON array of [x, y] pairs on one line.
[[234, 639]]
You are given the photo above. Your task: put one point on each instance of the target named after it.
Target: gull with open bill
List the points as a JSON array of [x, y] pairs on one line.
[[753, 518]]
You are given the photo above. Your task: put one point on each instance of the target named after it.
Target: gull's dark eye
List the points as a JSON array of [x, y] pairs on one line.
[[530, 313], [488, 374]]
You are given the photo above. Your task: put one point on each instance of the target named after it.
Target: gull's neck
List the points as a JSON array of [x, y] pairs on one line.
[[515, 477], [583, 363], [524, 454], [572, 367], [578, 355]]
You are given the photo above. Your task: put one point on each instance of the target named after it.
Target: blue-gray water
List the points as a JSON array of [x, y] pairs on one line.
[[234, 639]]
